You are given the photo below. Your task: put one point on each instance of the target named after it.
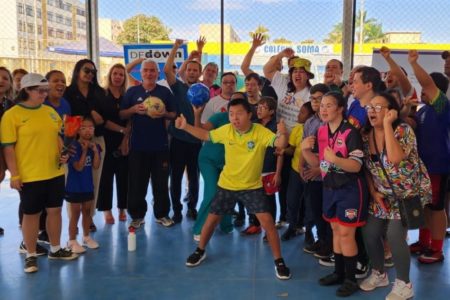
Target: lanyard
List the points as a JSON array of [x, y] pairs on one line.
[[335, 135]]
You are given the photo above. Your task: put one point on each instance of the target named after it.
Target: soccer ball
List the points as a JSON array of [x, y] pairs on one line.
[[154, 105], [198, 94]]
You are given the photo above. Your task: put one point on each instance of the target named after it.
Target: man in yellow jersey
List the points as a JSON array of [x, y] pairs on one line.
[[245, 146]]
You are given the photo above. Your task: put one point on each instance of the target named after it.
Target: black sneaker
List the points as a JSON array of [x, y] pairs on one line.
[[2, 231], [348, 288], [362, 270], [43, 237], [177, 217], [281, 271], [31, 264], [309, 237], [196, 258], [327, 262], [312, 248], [238, 222], [192, 214], [39, 249], [63, 254], [331, 279]]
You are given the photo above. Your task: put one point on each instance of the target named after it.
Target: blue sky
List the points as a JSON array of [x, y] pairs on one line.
[[296, 20]]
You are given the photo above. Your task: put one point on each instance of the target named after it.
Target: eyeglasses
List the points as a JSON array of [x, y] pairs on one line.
[[377, 108], [89, 71], [315, 99]]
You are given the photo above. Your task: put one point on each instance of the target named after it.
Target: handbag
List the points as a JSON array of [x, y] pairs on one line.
[[411, 210]]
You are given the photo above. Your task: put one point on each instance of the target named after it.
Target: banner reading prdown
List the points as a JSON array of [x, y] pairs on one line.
[[157, 52]]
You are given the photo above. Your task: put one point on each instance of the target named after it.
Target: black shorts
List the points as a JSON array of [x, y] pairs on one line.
[[37, 195], [79, 197], [224, 201]]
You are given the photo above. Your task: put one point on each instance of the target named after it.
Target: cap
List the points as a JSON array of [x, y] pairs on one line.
[[33, 79], [301, 63], [445, 54]]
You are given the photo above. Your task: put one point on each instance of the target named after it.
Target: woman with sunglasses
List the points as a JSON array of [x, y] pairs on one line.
[[390, 143], [40, 182], [337, 150], [86, 98]]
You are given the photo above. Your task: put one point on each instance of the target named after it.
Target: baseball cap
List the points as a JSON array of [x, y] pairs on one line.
[[445, 54], [33, 79], [301, 63]]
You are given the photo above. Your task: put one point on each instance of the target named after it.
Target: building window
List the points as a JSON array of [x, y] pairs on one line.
[[39, 28], [69, 35], [31, 45], [38, 13], [51, 32], [68, 21], [50, 16], [29, 11], [51, 2], [67, 6], [81, 25], [30, 27], [60, 34], [20, 8], [80, 12], [59, 19]]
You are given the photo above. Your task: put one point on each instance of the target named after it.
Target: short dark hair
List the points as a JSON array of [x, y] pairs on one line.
[[254, 76], [320, 87], [244, 95], [372, 75], [194, 62], [228, 73], [19, 71], [270, 101], [440, 81], [50, 73], [308, 106], [341, 65], [88, 118], [243, 102]]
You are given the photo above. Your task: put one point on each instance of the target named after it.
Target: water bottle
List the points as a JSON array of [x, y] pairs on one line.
[[131, 239]]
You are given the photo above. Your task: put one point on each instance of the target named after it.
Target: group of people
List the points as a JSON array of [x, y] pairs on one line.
[[342, 156]]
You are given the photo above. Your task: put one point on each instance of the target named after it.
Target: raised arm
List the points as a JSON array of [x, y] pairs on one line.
[[394, 150], [395, 69], [130, 66], [197, 132], [258, 40], [168, 67], [429, 88], [194, 55], [271, 66]]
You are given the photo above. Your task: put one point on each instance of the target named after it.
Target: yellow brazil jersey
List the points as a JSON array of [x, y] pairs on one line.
[[244, 155], [34, 134], [294, 140]]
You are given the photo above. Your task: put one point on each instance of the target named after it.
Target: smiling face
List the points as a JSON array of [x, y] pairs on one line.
[[299, 78], [359, 88], [149, 73], [87, 73], [37, 94], [86, 130], [56, 85], [192, 72]]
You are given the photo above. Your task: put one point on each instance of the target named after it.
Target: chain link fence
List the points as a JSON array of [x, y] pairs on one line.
[[40, 35]]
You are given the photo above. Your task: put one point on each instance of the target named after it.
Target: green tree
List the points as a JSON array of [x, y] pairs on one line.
[[143, 29], [372, 30], [281, 40], [261, 29]]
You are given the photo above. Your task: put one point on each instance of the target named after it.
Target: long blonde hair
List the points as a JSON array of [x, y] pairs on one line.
[[124, 85], [10, 92]]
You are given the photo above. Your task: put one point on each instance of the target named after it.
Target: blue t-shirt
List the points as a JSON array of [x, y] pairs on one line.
[[148, 134], [63, 108], [215, 152], [80, 181], [433, 127], [356, 115], [182, 106]]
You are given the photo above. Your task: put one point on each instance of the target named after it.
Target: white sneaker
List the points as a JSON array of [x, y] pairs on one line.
[[197, 238], [90, 243], [75, 247], [401, 291], [373, 281]]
